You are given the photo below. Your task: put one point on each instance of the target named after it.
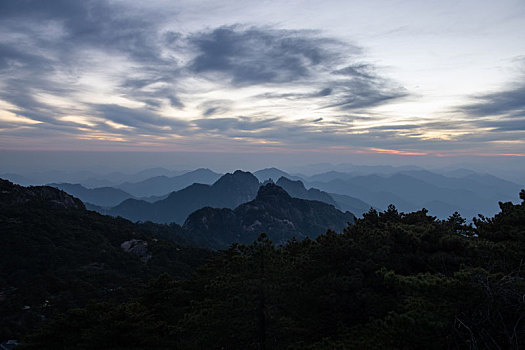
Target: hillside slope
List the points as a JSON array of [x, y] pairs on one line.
[[56, 255]]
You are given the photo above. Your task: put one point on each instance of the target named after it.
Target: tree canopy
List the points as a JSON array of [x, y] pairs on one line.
[[390, 281]]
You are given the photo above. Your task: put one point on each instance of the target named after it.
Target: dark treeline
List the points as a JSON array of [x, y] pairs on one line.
[[390, 281]]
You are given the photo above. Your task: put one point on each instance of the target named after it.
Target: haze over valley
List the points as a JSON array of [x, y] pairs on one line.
[[164, 196]]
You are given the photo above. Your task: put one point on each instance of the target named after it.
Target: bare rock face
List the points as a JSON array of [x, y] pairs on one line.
[[137, 247]]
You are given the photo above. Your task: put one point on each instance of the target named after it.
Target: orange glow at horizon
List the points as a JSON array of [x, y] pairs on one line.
[[393, 151]]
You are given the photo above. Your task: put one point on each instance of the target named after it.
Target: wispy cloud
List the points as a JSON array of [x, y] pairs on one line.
[[508, 103], [501, 114], [260, 56], [73, 72]]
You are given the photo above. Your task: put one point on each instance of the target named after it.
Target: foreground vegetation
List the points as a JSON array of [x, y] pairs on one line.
[[390, 281], [55, 255]]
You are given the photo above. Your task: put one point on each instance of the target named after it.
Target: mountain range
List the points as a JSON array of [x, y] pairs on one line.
[[470, 195], [100, 196], [228, 191], [352, 188], [162, 185], [273, 211]]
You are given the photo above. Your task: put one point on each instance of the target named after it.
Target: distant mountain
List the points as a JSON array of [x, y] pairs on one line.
[[461, 172], [414, 189], [88, 179], [56, 255], [102, 196], [329, 176], [270, 173], [296, 189], [115, 178], [351, 204], [152, 172], [353, 169], [228, 191], [340, 201], [273, 211], [488, 186], [44, 177], [16, 178], [362, 187], [161, 185], [373, 169]]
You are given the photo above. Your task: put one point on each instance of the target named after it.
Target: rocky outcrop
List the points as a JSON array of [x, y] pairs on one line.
[[137, 247]]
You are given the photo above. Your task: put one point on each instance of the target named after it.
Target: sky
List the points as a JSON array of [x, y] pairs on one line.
[[298, 81]]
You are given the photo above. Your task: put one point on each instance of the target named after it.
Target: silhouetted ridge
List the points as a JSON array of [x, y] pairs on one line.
[[295, 185], [238, 177], [194, 189], [298, 190], [15, 195], [233, 189], [271, 190], [162, 185], [273, 211], [269, 173], [228, 191], [101, 196]]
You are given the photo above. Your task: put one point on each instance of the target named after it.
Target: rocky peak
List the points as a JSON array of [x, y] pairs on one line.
[[239, 181], [294, 186], [271, 190], [238, 177]]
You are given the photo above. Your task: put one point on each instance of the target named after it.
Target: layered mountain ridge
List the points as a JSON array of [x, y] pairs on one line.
[[273, 211], [228, 191]]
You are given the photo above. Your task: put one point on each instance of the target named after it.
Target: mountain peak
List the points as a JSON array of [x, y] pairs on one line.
[[238, 177], [201, 170], [297, 185], [269, 173], [271, 190]]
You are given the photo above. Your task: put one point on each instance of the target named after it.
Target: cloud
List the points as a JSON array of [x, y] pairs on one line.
[[94, 23], [514, 124], [324, 92], [361, 86], [238, 123], [498, 116], [141, 119], [213, 107], [131, 75], [509, 102], [359, 93], [260, 56], [357, 70], [72, 48], [175, 101]]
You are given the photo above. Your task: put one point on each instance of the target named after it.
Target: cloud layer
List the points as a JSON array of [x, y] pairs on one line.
[[113, 74]]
